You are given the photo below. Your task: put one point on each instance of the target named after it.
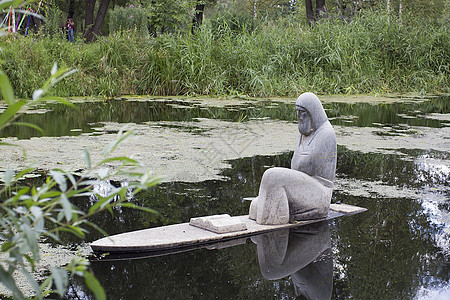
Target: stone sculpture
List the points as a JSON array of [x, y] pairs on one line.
[[304, 191]]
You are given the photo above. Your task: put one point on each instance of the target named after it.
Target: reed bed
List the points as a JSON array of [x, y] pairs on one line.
[[373, 53]]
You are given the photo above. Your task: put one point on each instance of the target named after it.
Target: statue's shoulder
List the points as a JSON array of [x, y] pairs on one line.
[[326, 130]]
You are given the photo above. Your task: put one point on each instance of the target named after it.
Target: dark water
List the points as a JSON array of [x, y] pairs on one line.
[[394, 250], [86, 117], [397, 249]]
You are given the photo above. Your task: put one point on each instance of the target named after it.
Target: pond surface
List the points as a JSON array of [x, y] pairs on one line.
[[88, 117], [398, 249]]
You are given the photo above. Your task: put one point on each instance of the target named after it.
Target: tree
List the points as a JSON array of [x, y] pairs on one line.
[[198, 15], [261, 8], [312, 15], [92, 30], [170, 15], [199, 12]]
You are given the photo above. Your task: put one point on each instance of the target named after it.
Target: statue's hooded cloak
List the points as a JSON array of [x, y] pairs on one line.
[[315, 154], [312, 104]]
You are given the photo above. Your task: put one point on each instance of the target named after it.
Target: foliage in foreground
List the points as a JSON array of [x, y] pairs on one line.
[[372, 53], [31, 215], [36, 214]]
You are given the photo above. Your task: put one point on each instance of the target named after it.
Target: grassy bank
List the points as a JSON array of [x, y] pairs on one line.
[[372, 53]]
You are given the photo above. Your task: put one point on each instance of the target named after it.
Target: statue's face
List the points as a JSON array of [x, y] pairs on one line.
[[304, 121]]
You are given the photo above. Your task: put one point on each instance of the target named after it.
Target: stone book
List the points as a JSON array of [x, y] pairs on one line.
[[218, 223]]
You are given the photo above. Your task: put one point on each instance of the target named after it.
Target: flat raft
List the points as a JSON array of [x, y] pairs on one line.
[[201, 231]]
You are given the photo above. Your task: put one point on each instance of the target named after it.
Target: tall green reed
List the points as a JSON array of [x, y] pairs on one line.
[[372, 53]]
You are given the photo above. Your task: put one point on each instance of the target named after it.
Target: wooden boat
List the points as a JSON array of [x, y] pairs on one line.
[[200, 232]]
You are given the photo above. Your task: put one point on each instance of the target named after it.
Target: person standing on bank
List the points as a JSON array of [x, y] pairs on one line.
[[70, 25]]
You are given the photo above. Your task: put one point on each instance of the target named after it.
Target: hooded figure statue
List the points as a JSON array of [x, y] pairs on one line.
[[304, 191]]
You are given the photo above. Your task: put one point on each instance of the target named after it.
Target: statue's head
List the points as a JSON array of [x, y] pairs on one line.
[[310, 113]]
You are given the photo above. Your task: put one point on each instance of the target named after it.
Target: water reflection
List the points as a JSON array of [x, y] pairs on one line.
[[289, 263], [87, 117], [419, 169], [395, 250], [304, 253]]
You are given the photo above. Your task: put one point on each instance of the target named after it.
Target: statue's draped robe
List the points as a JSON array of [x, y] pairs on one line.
[[304, 191]]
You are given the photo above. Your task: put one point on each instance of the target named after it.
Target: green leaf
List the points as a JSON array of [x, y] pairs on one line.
[[76, 212], [36, 211], [31, 261], [39, 226], [7, 3], [10, 112], [53, 236], [54, 68], [47, 285], [96, 227], [8, 177], [9, 282], [33, 282], [29, 125], [122, 194], [149, 180], [103, 173], [131, 205], [32, 241], [8, 144], [72, 180], [121, 138], [63, 74], [61, 280], [74, 230], [123, 159], [109, 208], [77, 266], [7, 245], [94, 286], [60, 179], [78, 193], [23, 172], [90, 182], [48, 195], [56, 77], [101, 203], [37, 94], [5, 87], [18, 194], [87, 158], [67, 207], [55, 98]]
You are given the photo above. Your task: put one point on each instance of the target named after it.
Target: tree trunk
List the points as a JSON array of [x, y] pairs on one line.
[[71, 8], [309, 11], [320, 8], [94, 31], [198, 17], [340, 7], [89, 20]]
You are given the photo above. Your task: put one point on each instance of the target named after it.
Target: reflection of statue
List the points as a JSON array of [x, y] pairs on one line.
[[295, 252], [304, 191]]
